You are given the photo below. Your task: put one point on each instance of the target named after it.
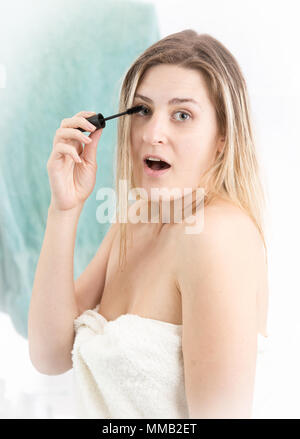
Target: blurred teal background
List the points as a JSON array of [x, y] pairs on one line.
[[69, 59]]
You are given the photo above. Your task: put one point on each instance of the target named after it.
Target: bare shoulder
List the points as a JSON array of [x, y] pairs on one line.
[[228, 236], [222, 217]]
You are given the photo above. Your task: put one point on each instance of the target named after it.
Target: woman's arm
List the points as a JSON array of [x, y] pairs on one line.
[[53, 305], [218, 279]]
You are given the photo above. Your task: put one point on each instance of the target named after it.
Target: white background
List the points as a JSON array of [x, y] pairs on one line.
[[263, 35]]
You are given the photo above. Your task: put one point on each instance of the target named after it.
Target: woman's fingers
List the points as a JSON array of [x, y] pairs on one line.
[[71, 133], [68, 139], [90, 150], [65, 149], [78, 122], [85, 113]]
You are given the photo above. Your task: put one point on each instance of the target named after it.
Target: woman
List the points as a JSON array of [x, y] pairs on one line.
[[171, 330]]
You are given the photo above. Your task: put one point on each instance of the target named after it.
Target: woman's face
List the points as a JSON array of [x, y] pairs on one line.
[[184, 134]]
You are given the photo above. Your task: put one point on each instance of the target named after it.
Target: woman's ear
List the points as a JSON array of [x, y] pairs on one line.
[[221, 144]]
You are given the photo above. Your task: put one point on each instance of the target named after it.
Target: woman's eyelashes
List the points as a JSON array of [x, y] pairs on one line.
[[182, 112]]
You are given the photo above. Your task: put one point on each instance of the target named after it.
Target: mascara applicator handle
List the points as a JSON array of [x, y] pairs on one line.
[[97, 120]]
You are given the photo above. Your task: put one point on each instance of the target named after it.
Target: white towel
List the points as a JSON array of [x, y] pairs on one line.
[[128, 368]]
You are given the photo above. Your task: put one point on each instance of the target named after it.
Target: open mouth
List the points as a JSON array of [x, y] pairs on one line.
[[157, 165]]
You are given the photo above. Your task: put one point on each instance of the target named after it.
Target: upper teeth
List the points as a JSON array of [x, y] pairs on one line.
[[154, 158]]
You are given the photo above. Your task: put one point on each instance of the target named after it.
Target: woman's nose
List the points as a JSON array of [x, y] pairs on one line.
[[154, 131]]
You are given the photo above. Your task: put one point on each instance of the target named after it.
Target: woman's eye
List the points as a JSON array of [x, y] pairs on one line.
[[182, 112], [145, 108]]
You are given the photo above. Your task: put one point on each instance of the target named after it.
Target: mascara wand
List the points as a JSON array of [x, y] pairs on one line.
[[99, 121]]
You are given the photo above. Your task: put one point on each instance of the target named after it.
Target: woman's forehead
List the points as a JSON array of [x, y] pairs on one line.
[[170, 84]]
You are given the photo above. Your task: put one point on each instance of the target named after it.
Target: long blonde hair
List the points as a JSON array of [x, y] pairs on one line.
[[235, 174]]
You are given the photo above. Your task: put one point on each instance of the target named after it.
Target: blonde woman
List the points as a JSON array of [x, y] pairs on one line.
[[163, 324]]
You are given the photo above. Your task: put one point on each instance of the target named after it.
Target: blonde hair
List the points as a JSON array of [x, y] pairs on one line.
[[234, 175]]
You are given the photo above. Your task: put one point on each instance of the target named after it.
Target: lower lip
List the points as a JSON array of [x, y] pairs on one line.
[[154, 173]]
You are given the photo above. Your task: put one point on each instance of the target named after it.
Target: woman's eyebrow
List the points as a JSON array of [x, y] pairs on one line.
[[171, 101]]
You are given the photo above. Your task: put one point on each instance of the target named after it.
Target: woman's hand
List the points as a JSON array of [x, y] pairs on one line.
[[72, 181]]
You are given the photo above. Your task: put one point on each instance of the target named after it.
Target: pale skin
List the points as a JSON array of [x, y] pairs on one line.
[[213, 283]]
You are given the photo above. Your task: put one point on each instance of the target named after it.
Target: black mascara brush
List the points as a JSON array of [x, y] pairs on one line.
[[99, 121]]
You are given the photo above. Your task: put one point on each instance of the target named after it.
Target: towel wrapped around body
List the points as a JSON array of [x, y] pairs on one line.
[[128, 368]]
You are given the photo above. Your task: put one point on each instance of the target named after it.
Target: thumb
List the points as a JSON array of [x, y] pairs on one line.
[[90, 150]]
